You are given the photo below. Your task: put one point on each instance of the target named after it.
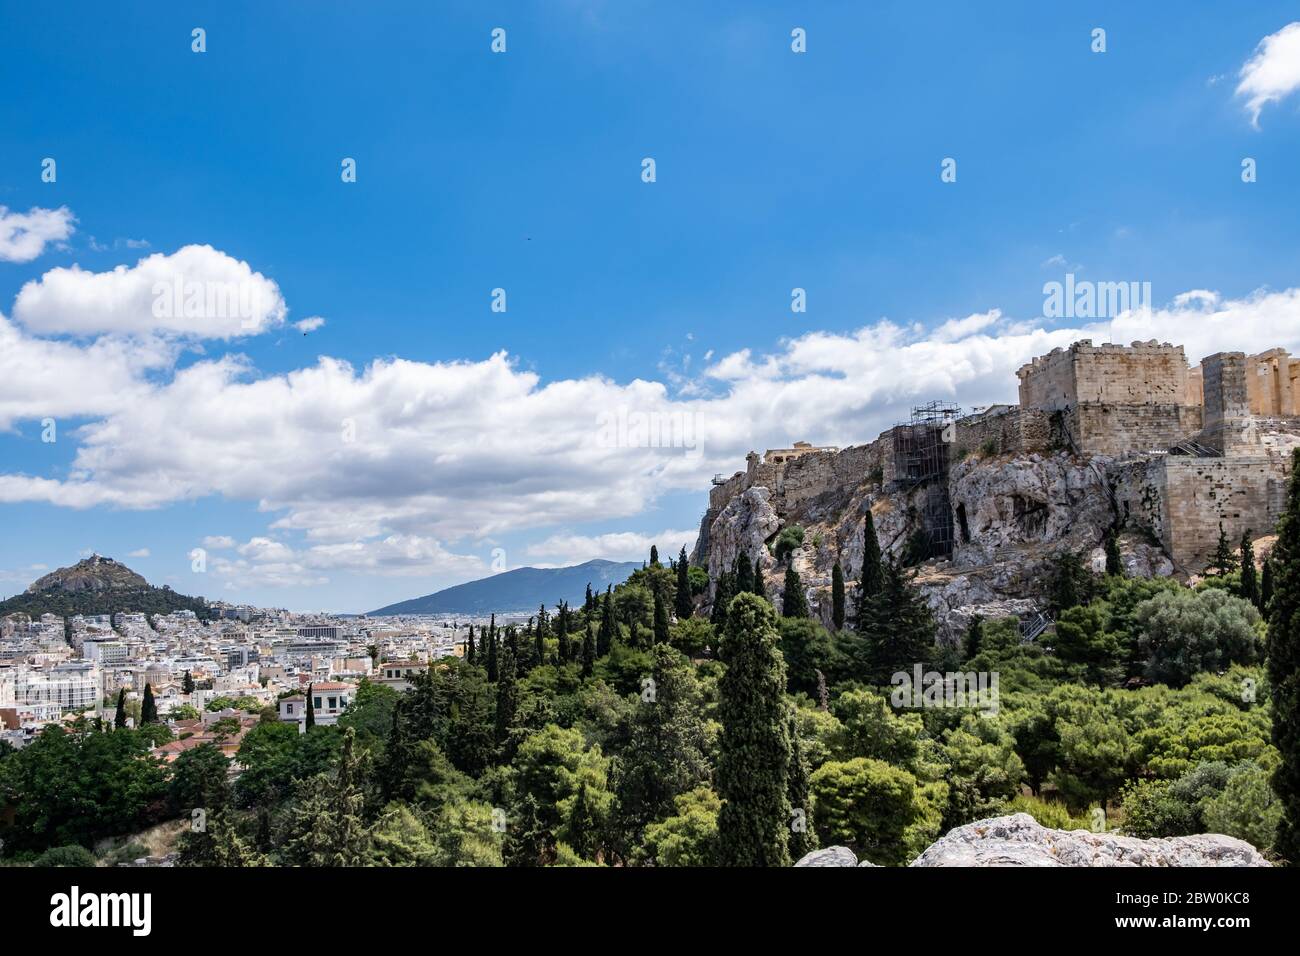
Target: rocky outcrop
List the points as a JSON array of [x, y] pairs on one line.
[[1019, 840], [95, 573]]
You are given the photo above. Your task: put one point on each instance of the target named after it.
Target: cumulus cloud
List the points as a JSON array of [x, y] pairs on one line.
[[139, 553], [24, 235], [566, 549], [1273, 73], [264, 562], [406, 467], [309, 324], [195, 292]]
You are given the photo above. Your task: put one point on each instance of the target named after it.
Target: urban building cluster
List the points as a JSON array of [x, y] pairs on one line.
[[200, 673]]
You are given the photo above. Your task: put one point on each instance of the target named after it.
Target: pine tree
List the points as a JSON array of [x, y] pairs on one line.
[[187, 683], [872, 575], [667, 745], [723, 592], [660, 620], [803, 839], [311, 710], [148, 709], [1283, 655], [900, 629], [1224, 561], [326, 826], [744, 572], [654, 556], [1249, 574], [119, 718], [491, 650], [793, 602], [1114, 560], [754, 747], [684, 607], [608, 624], [469, 645], [837, 596]]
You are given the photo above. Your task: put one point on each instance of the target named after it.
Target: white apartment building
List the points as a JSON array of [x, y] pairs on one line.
[[69, 686]]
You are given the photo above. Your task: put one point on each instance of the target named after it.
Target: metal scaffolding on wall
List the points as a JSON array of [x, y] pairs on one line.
[[921, 462]]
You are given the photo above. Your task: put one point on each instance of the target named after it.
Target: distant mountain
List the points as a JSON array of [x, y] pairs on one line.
[[523, 589], [98, 585]]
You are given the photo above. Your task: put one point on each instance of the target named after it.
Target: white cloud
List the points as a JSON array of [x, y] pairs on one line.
[[195, 292], [567, 549], [139, 553], [309, 324], [1273, 73], [406, 467], [264, 562], [24, 235]]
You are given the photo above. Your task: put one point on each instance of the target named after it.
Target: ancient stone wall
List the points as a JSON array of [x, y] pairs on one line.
[[1136, 374], [1004, 430], [1181, 500], [1119, 430]]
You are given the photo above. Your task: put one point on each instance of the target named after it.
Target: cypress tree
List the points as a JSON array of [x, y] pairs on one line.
[[491, 651], [582, 824], [871, 577], [119, 718], [754, 746], [1266, 587], [661, 620], [311, 711], [793, 601], [723, 592], [149, 709], [744, 572], [654, 556], [562, 632], [588, 648], [608, 624], [1224, 561], [469, 645], [1249, 575], [974, 636], [1114, 560], [837, 596], [759, 587], [507, 698], [588, 602], [1283, 653], [803, 839], [539, 636], [1069, 584], [683, 606], [187, 683]]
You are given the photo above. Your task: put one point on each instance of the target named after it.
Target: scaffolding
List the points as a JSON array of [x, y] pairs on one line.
[[921, 465]]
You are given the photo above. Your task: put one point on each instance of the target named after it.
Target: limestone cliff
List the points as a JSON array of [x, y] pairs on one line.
[[1019, 840]]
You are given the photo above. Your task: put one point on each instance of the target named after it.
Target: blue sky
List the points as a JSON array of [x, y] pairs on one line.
[[522, 171]]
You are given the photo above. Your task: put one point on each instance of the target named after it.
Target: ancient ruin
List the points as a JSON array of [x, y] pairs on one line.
[[1103, 436]]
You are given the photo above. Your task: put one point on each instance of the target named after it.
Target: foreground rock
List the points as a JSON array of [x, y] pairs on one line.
[[1019, 840]]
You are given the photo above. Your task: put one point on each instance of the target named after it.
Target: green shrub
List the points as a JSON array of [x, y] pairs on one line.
[[66, 856]]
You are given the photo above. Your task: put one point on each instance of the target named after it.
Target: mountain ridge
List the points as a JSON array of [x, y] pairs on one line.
[[98, 585], [520, 589]]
